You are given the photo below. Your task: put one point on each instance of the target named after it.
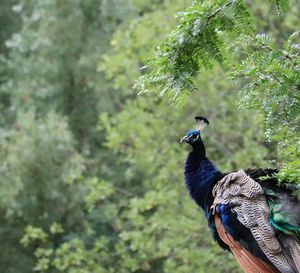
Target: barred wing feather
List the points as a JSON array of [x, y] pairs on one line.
[[247, 201]]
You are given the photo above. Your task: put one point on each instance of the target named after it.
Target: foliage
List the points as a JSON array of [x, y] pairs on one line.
[[270, 78], [10, 21], [266, 68], [132, 44], [51, 96], [201, 37], [83, 194], [270, 84], [197, 41]]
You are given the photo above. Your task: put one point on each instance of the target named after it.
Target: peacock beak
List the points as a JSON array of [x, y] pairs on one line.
[[184, 139]]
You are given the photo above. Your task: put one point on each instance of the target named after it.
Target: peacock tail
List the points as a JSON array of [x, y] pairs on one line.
[[281, 218]]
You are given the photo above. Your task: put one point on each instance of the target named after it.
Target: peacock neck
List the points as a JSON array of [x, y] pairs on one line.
[[200, 176], [195, 157]]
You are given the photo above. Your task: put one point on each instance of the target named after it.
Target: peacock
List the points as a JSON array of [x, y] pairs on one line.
[[249, 212]]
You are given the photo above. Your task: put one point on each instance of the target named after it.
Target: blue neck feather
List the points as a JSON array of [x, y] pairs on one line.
[[200, 177]]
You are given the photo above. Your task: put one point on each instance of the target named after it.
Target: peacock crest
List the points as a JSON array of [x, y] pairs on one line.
[[201, 122]]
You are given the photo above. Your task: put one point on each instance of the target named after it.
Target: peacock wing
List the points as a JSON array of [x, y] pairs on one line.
[[282, 200], [248, 262], [237, 195]]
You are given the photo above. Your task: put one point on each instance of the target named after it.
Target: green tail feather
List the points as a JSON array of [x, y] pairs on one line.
[[281, 219]]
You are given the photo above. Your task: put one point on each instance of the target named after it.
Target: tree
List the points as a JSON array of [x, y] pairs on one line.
[[52, 171], [87, 194], [268, 69]]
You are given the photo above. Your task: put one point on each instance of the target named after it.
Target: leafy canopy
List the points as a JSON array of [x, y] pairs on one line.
[[266, 67]]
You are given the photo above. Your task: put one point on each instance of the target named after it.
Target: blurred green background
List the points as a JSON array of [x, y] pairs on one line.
[[91, 173]]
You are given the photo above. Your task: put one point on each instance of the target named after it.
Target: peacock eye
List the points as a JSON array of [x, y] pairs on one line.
[[195, 137]]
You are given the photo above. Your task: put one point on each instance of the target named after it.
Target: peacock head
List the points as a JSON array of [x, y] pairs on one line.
[[194, 136]]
